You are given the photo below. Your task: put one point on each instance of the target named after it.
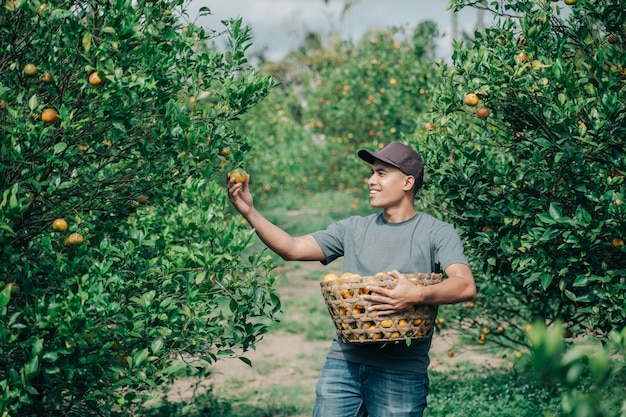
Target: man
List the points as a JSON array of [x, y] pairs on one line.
[[378, 380]]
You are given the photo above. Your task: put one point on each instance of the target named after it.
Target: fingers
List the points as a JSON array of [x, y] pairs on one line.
[[235, 187]]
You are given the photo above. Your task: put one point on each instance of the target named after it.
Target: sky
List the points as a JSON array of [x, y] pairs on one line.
[[278, 26]]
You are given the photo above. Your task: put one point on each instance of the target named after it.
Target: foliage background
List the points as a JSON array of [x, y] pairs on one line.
[[169, 279]]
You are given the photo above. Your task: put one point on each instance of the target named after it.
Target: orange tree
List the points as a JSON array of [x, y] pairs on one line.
[[537, 186], [116, 117], [333, 100]]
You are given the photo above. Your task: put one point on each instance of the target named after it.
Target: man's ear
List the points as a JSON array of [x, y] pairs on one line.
[[409, 182]]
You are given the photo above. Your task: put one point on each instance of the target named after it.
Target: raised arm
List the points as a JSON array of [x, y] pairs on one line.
[[290, 248]]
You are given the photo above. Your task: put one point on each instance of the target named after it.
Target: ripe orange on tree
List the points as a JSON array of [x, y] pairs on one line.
[[482, 113], [75, 239], [225, 151], [59, 225], [471, 99], [617, 242], [14, 289], [49, 115], [94, 78], [239, 174], [30, 70], [46, 77], [521, 57]]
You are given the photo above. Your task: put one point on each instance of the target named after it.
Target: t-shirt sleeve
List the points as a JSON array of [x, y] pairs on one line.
[[331, 240], [448, 247]]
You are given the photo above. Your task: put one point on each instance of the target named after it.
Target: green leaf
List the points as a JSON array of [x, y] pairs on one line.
[[582, 216], [60, 147], [546, 280], [87, 38], [157, 345], [5, 296], [549, 234], [200, 277], [33, 102], [555, 212], [581, 281]]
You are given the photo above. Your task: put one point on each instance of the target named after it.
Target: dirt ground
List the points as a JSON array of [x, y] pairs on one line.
[[292, 359]]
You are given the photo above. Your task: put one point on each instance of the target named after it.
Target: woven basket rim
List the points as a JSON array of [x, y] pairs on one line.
[[354, 324]]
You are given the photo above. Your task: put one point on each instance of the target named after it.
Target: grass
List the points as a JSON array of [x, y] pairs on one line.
[[500, 392]]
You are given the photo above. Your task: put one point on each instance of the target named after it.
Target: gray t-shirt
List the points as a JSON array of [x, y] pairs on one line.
[[370, 245]]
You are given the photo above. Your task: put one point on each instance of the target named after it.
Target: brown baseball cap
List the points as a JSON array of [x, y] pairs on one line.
[[401, 156]]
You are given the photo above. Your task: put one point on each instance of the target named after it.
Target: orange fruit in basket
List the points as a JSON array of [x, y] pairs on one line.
[[330, 277], [417, 322], [343, 311], [402, 323], [386, 323], [368, 325], [358, 310], [348, 275], [394, 335], [346, 293]]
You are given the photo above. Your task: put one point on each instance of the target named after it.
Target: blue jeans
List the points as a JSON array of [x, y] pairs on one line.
[[347, 389]]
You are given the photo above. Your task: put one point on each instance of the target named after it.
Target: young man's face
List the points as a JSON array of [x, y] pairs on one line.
[[387, 185]]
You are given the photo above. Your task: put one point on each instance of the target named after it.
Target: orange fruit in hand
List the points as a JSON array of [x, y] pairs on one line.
[[471, 99], [30, 70], [94, 78], [59, 225], [49, 116], [239, 175]]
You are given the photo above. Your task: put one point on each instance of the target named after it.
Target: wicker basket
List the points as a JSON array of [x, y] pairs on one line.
[[346, 304]]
